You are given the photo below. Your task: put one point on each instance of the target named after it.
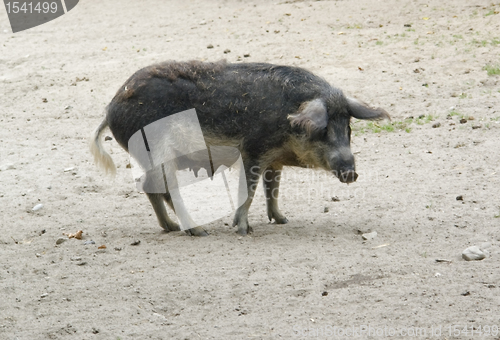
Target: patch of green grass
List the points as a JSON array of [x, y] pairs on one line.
[[458, 36], [355, 26], [379, 42], [491, 12], [497, 215], [415, 41], [495, 41], [360, 127], [376, 127], [463, 95], [454, 113], [410, 30], [423, 119], [492, 70]]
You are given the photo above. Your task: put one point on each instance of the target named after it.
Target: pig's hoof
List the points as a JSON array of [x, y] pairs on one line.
[[278, 217], [244, 231], [281, 220], [173, 227], [197, 231]]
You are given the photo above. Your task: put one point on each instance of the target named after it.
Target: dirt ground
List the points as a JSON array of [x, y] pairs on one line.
[[314, 277]]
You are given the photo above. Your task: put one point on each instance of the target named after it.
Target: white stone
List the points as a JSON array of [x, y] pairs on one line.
[[37, 207], [473, 254], [369, 236]]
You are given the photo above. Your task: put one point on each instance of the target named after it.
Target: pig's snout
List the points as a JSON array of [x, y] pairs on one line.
[[342, 164], [348, 176]]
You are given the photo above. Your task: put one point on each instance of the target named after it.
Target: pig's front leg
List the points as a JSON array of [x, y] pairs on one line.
[[271, 180], [252, 175]]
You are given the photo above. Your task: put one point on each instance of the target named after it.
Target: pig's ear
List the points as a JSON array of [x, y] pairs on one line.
[[311, 116], [361, 110]]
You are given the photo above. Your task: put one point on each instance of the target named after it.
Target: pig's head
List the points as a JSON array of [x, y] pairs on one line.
[[327, 124]]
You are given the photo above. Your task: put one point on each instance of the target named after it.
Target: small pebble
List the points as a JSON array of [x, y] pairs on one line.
[[69, 169], [325, 293], [477, 126], [108, 138], [38, 255], [335, 199], [8, 166], [473, 254], [443, 260], [460, 198], [227, 50], [37, 207], [135, 243], [246, 55], [369, 236], [44, 295], [463, 121], [436, 125], [88, 242], [326, 210], [61, 240], [210, 46], [81, 263]]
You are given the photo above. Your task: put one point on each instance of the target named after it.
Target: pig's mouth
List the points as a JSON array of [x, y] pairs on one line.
[[348, 176]]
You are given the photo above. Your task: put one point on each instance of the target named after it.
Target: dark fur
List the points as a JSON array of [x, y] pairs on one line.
[[256, 103]]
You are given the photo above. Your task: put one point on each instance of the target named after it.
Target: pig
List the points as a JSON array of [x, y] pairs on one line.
[[274, 115]]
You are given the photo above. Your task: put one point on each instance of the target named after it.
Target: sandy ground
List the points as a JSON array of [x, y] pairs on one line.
[[289, 281]]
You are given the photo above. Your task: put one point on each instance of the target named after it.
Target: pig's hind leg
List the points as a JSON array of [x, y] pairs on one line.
[[196, 231], [161, 213], [271, 181], [154, 187]]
